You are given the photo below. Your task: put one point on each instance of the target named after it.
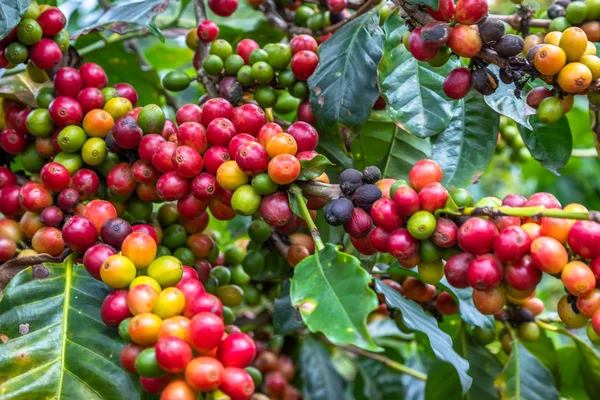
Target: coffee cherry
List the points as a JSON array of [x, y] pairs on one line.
[[223, 8], [470, 12], [304, 63], [45, 54], [465, 41], [549, 255], [537, 95], [418, 48], [485, 272], [366, 195], [350, 180], [578, 278], [402, 245], [359, 225], [550, 59], [489, 302], [477, 236], [492, 30], [435, 34], [92, 75], [570, 315], [339, 211], [424, 172], [52, 21], [509, 45]]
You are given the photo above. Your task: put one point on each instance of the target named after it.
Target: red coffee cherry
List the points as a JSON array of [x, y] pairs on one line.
[[457, 84], [485, 272], [207, 31], [45, 54], [477, 236], [456, 268], [52, 21]]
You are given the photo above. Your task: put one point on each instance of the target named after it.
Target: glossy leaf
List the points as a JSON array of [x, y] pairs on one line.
[[589, 367], [415, 318], [484, 369], [393, 150], [543, 349], [10, 14], [285, 317], [571, 381], [377, 381], [504, 102], [57, 345], [525, 377], [550, 144], [274, 267], [320, 381], [465, 148], [413, 89], [343, 88], [413, 388], [314, 167], [442, 382], [332, 292], [127, 16]]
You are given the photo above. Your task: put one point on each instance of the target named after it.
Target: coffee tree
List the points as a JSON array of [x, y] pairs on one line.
[[282, 200]]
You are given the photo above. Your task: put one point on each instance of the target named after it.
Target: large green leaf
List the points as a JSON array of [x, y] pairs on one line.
[[484, 369], [543, 349], [332, 292], [320, 381], [416, 319], [413, 89], [284, 315], [343, 88], [10, 14], [525, 378], [504, 102], [442, 382], [126, 16], [389, 147], [550, 144], [413, 388], [376, 381], [589, 367], [571, 381], [57, 345], [465, 148]]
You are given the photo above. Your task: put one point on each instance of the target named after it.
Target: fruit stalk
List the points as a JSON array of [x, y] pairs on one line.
[[203, 49], [522, 212], [386, 361], [515, 20], [295, 191]]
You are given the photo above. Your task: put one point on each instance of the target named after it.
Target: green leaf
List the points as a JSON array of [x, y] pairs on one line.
[[20, 88], [343, 88], [127, 16], [384, 144], [550, 144], [589, 367], [484, 369], [10, 14], [443, 382], [415, 318], [571, 381], [274, 267], [525, 377], [465, 148], [58, 346], [332, 292], [504, 102], [284, 315], [413, 89], [320, 381], [543, 349], [379, 382], [413, 388], [314, 167]]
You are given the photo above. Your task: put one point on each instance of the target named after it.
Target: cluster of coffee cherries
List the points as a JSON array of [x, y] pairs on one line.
[[567, 13], [72, 123], [177, 340], [501, 258], [439, 303], [567, 60], [38, 40], [276, 74], [454, 32], [510, 142], [278, 371]]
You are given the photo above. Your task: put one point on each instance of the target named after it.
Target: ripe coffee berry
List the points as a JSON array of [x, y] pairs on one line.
[[207, 31], [67, 82], [52, 21], [477, 236], [304, 64], [45, 54], [485, 272], [93, 75]]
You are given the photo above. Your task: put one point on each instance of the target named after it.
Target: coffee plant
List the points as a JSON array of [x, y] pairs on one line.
[[273, 199]]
